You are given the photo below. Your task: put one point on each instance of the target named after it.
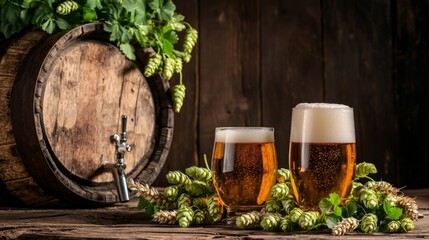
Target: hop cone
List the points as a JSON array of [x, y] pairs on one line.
[[271, 222], [356, 188], [185, 216], [385, 187], [280, 191], [67, 7], [410, 207], [272, 205], [199, 173], [178, 178], [288, 205], [249, 219], [187, 57], [199, 216], [184, 200], [200, 202], [407, 225], [370, 184], [393, 226], [308, 220], [295, 213], [149, 193], [368, 223], [196, 188], [286, 224], [168, 217], [189, 40], [364, 169], [368, 198], [215, 207], [172, 192], [178, 93], [178, 65], [152, 65], [283, 175], [169, 65], [346, 225], [390, 200]]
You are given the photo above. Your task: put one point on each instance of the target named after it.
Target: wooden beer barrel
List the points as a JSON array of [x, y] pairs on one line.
[[61, 98]]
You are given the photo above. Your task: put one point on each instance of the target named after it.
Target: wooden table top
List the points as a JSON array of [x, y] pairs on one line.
[[125, 221]]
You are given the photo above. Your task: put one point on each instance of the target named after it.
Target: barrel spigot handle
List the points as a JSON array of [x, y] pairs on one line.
[[118, 169]]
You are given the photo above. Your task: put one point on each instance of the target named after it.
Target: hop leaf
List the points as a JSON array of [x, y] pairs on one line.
[[185, 216], [67, 7], [198, 173], [178, 93], [364, 169], [369, 223]]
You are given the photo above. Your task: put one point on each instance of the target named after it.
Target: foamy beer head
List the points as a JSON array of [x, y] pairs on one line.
[[322, 123], [244, 135]]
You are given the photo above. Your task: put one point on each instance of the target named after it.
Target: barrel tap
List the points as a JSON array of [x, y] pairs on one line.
[[118, 168]]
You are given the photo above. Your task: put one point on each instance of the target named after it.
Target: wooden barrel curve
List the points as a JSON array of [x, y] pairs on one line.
[[61, 98]]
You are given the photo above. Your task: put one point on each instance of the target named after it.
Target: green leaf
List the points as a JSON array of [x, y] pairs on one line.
[[128, 50], [332, 220], [393, 213], [167, 47], [164, 8], [142, 203], [62, 23], [325, 205], [136, 8], [49, 25], [334, 198], [93, 4], [89, 14], [170, 35], [337, 211], [350, 209]]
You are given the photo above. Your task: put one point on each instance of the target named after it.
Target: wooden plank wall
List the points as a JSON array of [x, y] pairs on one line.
[[257, 59]]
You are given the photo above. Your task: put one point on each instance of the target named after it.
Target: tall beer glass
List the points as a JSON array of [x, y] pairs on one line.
[[244, 165], [322, 152]]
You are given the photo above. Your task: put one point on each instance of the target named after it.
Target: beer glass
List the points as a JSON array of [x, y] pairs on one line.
[[244, 165], [322, 152]]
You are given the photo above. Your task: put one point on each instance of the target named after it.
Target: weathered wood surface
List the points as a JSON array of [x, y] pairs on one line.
[[125, 222], [256, 59]]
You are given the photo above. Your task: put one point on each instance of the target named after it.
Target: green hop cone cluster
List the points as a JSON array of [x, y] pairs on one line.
[[393, 226], [363, 169], [196, 188], [271, 222], [200, 202], [288, 205], [199, 216], [184, 201], [185, 216], [169, 68], [369, 198], [308, 220], [280, 191], [286, 224], [199, 173], [153, 65], [178, 65], [295, 214], [273, 205], [407, 225], [178, 94], [189, 42], [283, 175], [215, 208], [249, 219], [172, 192], [369, 223], [178, 178], [67, 7]]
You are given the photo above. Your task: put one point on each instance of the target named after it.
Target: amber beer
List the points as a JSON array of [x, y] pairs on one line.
[[244, 165], [322, 152]]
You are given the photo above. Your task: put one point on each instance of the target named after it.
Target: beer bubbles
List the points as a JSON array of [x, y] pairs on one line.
[[322, 151], [244, 166]]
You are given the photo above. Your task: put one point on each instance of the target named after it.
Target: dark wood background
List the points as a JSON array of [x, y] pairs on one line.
[[257, 59]]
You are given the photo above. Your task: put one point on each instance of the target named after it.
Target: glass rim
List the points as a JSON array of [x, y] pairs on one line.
[[269, 129]]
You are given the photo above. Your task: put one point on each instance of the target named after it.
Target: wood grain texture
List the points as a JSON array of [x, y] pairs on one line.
[[358, 72], [229, 67], [412, 91], [124, 222], [291, 64]]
